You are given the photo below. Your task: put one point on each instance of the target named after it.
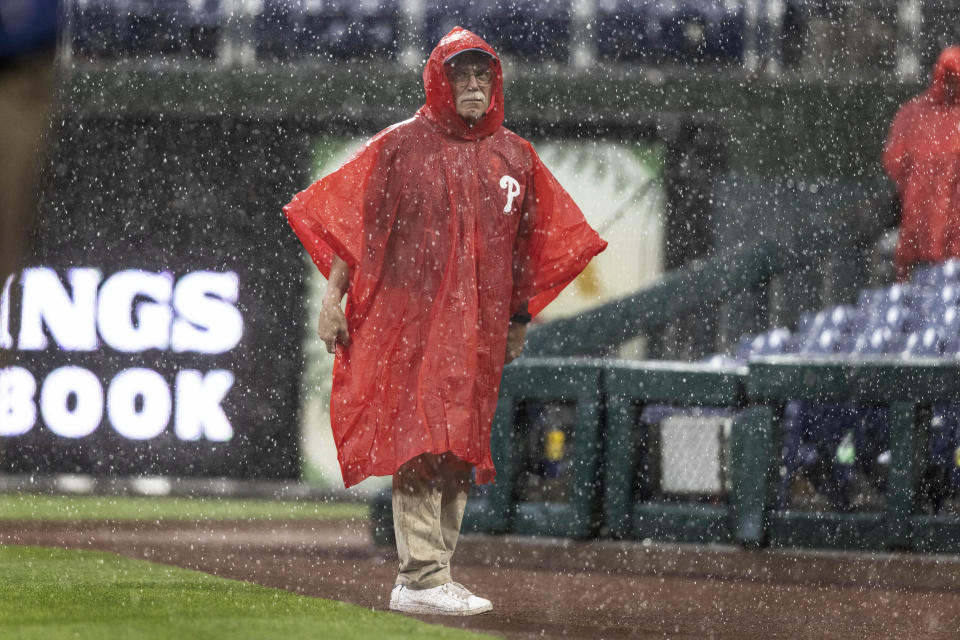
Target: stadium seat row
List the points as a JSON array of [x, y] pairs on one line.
[[841, 449], [650, 30], [917, 319], [117, 28]]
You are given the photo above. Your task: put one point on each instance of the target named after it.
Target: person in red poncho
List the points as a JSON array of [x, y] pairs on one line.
[[922, 157], [450, 235]]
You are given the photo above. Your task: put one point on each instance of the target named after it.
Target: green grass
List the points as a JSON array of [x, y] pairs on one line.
[[22, 506], [56, 594]]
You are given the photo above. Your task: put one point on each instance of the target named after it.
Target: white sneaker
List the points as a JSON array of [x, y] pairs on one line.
[[450, 599]]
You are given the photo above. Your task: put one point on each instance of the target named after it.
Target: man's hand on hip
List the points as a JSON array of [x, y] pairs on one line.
[[516, 336], [332, 326]]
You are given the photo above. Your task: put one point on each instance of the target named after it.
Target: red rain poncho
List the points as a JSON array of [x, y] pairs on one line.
[[922, 157], [447, 230]]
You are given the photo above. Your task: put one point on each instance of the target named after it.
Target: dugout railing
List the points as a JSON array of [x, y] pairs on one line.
[[530, 478], [909, 389], [632, 386], [599, 404], [706, 306], [495, 508]]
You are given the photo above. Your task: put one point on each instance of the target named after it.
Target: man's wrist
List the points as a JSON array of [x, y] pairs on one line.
[[332, 298]]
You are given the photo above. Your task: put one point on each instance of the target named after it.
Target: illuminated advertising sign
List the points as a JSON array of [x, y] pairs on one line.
[[130, 371], [157, 325], [130, 311], [135, 371]]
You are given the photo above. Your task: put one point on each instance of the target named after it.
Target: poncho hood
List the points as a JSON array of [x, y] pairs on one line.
[[439, 108], [947, 64]]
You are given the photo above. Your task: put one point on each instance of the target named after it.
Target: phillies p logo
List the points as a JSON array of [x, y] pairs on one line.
[[513, 190]]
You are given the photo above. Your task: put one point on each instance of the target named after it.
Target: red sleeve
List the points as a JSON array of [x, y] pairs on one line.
[[554, 243], [328, 215]]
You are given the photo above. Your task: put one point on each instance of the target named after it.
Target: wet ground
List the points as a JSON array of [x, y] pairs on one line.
[[337, 560]]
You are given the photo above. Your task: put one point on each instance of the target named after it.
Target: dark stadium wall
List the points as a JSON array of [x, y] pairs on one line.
[[785, 145]]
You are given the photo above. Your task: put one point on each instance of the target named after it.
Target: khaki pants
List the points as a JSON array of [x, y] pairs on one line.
[[429, 496]]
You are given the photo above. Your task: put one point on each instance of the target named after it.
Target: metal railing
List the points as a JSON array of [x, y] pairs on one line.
[[712, 302]]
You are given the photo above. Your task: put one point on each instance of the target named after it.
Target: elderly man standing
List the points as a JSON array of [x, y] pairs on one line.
[[449, 234]]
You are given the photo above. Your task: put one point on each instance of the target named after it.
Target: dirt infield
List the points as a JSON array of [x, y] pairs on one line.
[[337, 560]]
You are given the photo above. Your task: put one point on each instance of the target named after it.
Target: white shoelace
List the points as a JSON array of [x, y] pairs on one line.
[[458, 590]]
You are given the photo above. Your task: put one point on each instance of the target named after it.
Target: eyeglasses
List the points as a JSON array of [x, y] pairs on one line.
[[460, 76]]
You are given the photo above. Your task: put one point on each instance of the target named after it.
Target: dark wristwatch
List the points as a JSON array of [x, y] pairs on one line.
[[521, 317]]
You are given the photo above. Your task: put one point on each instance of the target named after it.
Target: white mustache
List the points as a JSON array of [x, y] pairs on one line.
[[476, 95]]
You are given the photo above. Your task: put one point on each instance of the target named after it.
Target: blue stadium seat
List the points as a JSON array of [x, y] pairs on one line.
[[790, 47], [277, 29], [950, 320], [895, 294], [932, 304], [329, 29], [951, 347], [945, 295], [935, 308], [686, 31], [926, 343], [205, 27], [843, 448], [441, 17], [721, 361], [159, 27], [697, 31], [382, 29], [341, 29], [626, 30], [897, 318], [531, 29], [937, 275], [877, 341], [773, 342], [840, 318], [104, 29], [152, 27], [950, 294], [826, 341]]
